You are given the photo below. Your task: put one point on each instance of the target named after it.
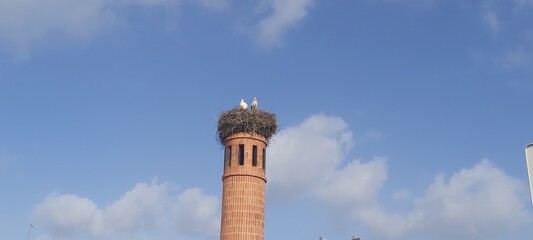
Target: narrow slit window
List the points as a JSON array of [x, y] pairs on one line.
[[254, 156], [228, 154], [241, 154], [264, 159], [225, 157]]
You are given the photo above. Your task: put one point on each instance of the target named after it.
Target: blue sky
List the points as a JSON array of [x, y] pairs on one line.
[[398, 119]]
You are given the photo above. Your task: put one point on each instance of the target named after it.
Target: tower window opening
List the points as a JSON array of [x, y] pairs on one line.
[[254, 156], [241, 154], [264, 159], [227, 157]]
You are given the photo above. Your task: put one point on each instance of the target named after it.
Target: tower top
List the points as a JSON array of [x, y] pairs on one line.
[[239, 120]]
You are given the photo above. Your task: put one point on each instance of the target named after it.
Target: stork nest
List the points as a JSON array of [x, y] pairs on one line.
[[253, 121]]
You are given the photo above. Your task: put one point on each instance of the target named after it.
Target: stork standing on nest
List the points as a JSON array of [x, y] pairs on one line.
[[254, 104], [243, 105]]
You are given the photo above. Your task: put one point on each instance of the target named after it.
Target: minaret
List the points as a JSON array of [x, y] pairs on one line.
[[244, 134]]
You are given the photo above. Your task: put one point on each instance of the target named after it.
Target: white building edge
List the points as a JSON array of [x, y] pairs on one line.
[[529, 163]]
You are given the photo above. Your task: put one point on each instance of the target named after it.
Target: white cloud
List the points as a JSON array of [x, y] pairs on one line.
[[146, 208], [498, 16], [308, 160], [388, 225], [24, 22], [356, 183], [198, 214], [480, 202], [285, 15], [304, 156]]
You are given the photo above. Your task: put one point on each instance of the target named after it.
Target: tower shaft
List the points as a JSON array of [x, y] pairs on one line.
[[244, 179]]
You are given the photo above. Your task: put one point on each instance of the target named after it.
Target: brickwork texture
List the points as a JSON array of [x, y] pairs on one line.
[[243, 191]]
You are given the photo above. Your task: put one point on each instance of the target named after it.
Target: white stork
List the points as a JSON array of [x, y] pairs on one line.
[[243, 105], [254, 104]]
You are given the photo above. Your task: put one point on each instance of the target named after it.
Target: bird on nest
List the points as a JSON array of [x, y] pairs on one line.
[[254, 104], [243, 105]]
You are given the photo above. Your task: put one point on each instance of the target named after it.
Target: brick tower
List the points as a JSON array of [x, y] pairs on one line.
[[244, 178]]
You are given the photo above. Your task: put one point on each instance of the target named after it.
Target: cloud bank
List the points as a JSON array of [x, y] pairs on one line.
[[26, 23], [479, 202], [309, 161], [305, 160], [147, 209], [284, 15]]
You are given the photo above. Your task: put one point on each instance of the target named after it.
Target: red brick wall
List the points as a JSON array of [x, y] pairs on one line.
[[243, 196]]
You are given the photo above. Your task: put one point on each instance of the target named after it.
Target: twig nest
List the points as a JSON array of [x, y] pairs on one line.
[[255, 121]]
